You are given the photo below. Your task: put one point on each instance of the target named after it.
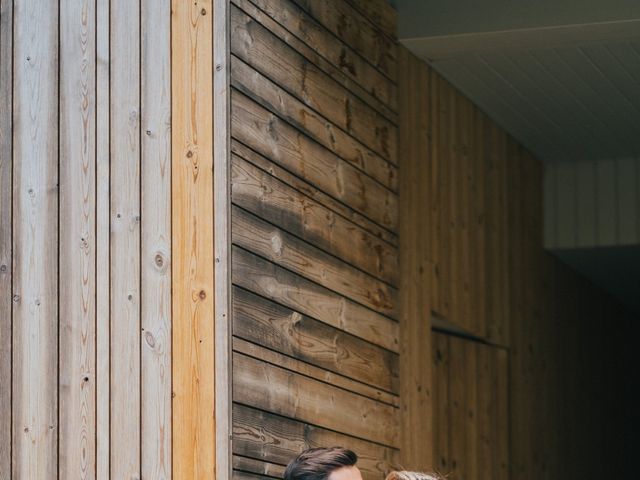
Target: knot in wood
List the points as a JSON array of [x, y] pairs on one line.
[[202, 294]]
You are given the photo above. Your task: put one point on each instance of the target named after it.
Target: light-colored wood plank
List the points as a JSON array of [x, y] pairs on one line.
[[275, 439], [125, 239], [256, 46], [333, 71], [277, 100], [281, 329], [193, 342], [268, 280], [155, 308], [6, 264], [77, 251], [298, 22], [415, 268], [287, 251], [288, 394], [273, 200], [35, 241], [103, 260], [270, 136], [348, 25]]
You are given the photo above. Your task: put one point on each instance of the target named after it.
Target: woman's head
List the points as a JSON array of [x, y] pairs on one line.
[[404, 475]]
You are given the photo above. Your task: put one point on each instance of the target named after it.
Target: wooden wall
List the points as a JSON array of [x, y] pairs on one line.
[[85, 239], [491, 282], [315, 232]]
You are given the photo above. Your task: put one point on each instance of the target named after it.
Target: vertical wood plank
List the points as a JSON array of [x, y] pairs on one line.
[[103, 234], [442, 462], [415, 268], [125, 238], [192, 240], [6, 166], [35, 240], [156, 239], [222, 237], [77, 381], [457, 412]]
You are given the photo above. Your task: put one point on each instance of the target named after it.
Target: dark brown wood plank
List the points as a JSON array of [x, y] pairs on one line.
[[270, 136], [251, 465], [266, 53], [260, 193], [286, 393], [268, 280], [303, 26], [284, 330], [380, 13], [278, 440], [288, 251], [271, 96], [347, 24]]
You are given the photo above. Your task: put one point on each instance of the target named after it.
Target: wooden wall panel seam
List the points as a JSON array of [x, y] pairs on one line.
[[380, 13]]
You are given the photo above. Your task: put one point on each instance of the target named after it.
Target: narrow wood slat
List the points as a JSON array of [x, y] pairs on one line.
[[258, 47], [275, 439], [125, 240], [442, 407], [288, 394], [332, 70], [381, 13], [470, 355], [347, 24], [435, 201], [270, 281], [35, 241], [6, 263], [103, 260], [156, 240], [77, 251], [256, 191], [485, 413], [251, 465], [502, 406], [311, 371], [271, 96], [303, 26], [477, 224], [287, 251], [270, 136], [193, 341], [281, 329], [457, 413]]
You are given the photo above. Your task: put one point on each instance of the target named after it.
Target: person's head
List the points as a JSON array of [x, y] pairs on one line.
[[405, 475], [335, 463]]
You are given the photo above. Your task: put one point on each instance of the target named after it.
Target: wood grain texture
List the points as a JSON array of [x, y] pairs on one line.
[[6, 264], [284, 438], [193, 341], [415, 268], [303, 26], [285, 393], [103, 260], [77, 251], [268, 280], [278, 101], [287, 251], [266, 53], [125, 240], [381, 13], [275, 139], [155, 254], [35, 241], [262, 194], [281, 329]]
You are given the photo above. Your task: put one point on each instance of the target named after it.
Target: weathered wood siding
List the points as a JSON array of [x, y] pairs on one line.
[[314, 233], [85, 237]]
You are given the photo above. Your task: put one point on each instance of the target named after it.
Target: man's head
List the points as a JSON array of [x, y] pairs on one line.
[[335, 463]]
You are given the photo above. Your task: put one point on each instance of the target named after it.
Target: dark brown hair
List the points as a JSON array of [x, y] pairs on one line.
[[319, 463]]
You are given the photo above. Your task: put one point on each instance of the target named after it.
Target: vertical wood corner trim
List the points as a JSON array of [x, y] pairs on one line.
[[193, 368]]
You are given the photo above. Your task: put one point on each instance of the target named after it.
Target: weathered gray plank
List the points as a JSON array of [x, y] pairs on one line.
[[271, 96], [278, 328], [286, 393], [6, 91], [268, 241], [35, 244], [156, 240], [125, 239], [258, 192], [77, 240], [270, 281]]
